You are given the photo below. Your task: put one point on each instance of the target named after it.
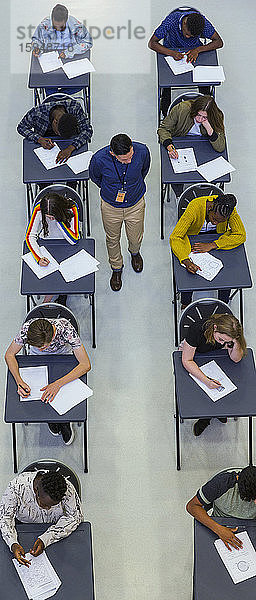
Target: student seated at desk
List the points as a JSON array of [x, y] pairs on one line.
[[65, 120], [49, 336], [200, 117], [53, 217], [219, 331], [183, 30], [63, 33], [231, 493], [39, 497], [207, 214]]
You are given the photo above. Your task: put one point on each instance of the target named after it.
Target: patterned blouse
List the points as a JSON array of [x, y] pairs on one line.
[[19, 502], [65, 333]]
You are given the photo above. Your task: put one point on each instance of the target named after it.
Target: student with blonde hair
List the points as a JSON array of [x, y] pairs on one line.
[[219, 331]]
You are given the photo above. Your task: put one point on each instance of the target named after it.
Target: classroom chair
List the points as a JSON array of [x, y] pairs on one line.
[[200, 310], [52, 310], [48, 464], [196, 191], [68, 192]]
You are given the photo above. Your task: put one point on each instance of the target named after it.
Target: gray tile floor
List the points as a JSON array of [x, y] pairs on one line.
[[133, 495]]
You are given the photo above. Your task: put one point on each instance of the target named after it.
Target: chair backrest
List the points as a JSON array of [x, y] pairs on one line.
[[182, 9], [59, 97], [199, 310], [47, 464], [185, 96], [196, 191], [68, 192], [52, 310]]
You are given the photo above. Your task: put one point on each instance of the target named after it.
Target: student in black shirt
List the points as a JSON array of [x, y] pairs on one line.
[[219, 331]]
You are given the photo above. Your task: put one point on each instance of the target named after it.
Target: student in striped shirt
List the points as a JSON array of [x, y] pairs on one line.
[[53, 217]]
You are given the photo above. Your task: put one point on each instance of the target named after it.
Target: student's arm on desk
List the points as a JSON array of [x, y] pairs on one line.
[[235, 234], [26, 125], [10, 358], [68, 522], [189, 364], [216, 42], [168, 127], [8, 509], [154, 44], [83, 367], [226, 534]]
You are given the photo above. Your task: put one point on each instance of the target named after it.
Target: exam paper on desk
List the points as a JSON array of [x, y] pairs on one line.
[[185, 162], [40, 579], [209, 264], [241, 564], [80, 162], [78, 67], [212, 370], [78, 265], [48, 157], [208, 74], [70, 395], [179, 66], [39, 271], [36, 378], [50, 61], [213, 169]]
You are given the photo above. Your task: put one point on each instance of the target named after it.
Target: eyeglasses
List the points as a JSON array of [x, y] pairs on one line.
[[202, 117]]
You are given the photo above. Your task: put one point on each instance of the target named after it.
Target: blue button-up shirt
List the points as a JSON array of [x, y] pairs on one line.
[[170, 31], [102, 172], [76, 37], [37, 120]]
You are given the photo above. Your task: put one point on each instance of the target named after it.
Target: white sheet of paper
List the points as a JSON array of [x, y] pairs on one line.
[[211, 369], [39, 271], [179, 66], [78, 67], [80, 162], [241, 564], [39, 580], [185, 162], [208, 74], [48, 157], [215, 168], [70, 395], [36, 378], [50, 61], [210, 265], [78, 265]]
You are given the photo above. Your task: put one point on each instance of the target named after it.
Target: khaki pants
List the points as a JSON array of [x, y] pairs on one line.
[[113, 218]]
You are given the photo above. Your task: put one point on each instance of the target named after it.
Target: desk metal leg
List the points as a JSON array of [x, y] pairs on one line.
[[87, 208], [177, 425], [241, 307], [162, 212], [175, 309], [159, 102], [250, 440], [28, 303], [92, 302], [29, 198], [14, 448], [85, 448]]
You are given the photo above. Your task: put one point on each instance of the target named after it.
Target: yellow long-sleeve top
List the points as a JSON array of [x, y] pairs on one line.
[[192, 222]]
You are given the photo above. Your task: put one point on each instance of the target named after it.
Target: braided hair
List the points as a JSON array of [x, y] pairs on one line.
[[54, 485], [247, 484], [224, 205]]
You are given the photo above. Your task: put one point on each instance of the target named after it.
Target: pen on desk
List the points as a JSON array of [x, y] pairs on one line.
[[24, 389]]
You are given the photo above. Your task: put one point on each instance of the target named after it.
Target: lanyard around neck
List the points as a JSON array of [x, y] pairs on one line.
[[118, 174]]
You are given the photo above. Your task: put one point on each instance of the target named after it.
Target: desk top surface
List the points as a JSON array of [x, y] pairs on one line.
[[235, 272], [36, 411], [58, 78], [194, 403], [166, 77], [204, 152], [71, 558], [211, 579], [35, 172], [55, 283]]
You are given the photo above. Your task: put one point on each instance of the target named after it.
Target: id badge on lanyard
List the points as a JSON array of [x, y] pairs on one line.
[[120, 196]]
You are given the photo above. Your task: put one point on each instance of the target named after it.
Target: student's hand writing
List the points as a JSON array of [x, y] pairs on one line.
[[19, 554], [38, 548], [203, 247], [213, 384], [226, 534], [190, 266], [192, 55], [172, 151], [62, 55], [43, 262], [23, 389], [46, 143], [50, 391], [177, 55], [65, 154]]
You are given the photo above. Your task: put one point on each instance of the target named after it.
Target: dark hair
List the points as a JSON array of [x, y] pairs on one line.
[[214, 114], [195, 24], [40, 332], [60, 13], [227, 324], [121, 144], [247, 484], [224, 205], [67, 126], [54, 485], [58, 207]]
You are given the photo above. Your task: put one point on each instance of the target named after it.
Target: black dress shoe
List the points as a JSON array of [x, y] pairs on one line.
[[116, 281], [222, 419], [137, 262], [54, 428], [62, 299], [67, 433], [200, 426]]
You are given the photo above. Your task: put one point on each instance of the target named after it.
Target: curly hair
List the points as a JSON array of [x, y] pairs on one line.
[[195, 24], [54, 485], [247, 484], [227, 324]]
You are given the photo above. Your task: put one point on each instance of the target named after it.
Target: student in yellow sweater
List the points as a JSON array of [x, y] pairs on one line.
[[207, 214]]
